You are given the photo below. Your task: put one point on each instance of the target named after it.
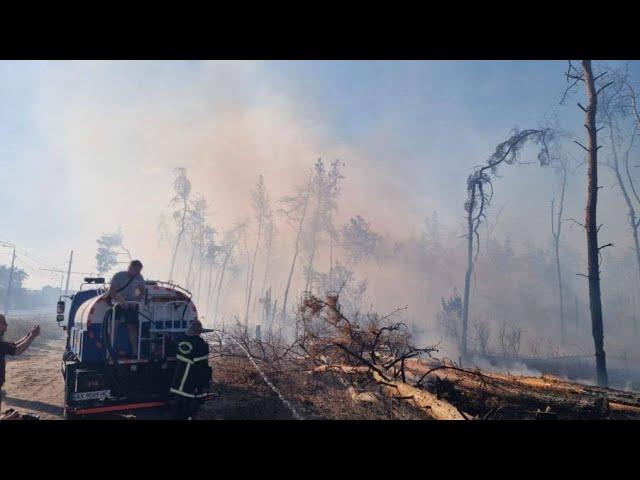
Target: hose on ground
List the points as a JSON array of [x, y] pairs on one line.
[[286, 402]]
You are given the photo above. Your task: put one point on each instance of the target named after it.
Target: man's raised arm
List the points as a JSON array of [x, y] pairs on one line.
[[24, 342]]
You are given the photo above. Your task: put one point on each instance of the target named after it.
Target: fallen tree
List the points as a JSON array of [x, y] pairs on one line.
[[436, 408], [371, 359], [499, 395]]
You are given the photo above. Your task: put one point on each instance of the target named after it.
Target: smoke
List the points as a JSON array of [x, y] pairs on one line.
[[111, 134], [515, 368], [117, 142]]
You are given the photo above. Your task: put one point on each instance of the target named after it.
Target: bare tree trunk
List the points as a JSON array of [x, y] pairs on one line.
[[267, 263], [228, 253], [209, 285], [314, 239], [632, 219], [216, 278], [295, 257], [266, 270], [478, 198], [253, 267], [467, 276], [307, 284], [188, 281], [556, 230], [178, 240], [636, 244], [591, 226], [563, 334], [200, 268], [246, 285], [635, 312], [222, 270], [330, 262], [265, 309], [286, 290]]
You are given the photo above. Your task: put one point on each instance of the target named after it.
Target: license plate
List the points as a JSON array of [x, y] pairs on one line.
[[98, 395]]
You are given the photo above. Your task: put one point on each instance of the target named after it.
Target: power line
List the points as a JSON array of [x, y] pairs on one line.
[[32, 263], [27, 262], [27, 255], [23, 253], [31, 257]]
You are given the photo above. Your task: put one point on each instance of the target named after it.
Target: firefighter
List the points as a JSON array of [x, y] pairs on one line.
[[193, 374]]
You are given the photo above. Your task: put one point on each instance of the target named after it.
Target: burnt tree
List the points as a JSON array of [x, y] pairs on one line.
[[479, 195], [591, 224], [296, 213], [260, 202], [182, 189], [556, 232]]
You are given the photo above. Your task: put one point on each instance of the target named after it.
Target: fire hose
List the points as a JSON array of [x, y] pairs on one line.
[[286, 402]]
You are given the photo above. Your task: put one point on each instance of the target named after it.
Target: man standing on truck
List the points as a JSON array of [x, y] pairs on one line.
[[193, 373], [127, 286], [10, 348]]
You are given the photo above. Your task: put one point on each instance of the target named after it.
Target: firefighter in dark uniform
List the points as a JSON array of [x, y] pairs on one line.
[[193, 375]]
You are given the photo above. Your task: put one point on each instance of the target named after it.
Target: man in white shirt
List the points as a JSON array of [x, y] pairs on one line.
[[128, 286]]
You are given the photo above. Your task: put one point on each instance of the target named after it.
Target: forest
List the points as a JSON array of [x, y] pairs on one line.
[[334, 287], [476, 295]]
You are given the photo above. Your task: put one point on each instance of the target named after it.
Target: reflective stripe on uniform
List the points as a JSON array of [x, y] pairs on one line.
[[188, 395], [187, 360], [186, 374], [184, 359], [185, 347], [180, 392]]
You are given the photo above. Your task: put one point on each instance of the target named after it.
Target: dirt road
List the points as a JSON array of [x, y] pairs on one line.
[[34, 383]]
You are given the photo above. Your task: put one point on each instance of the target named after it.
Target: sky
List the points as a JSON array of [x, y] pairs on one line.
[[89, 147]]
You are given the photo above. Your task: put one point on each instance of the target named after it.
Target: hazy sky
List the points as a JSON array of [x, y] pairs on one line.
[[87, 147]]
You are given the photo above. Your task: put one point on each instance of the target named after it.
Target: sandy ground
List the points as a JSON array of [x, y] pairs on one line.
[[34, 383]]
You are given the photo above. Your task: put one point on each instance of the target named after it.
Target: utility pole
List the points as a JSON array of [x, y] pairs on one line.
[[66, 287], [8, 296]]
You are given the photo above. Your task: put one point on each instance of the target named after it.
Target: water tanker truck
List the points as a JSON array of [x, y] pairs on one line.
[[101, 377]]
